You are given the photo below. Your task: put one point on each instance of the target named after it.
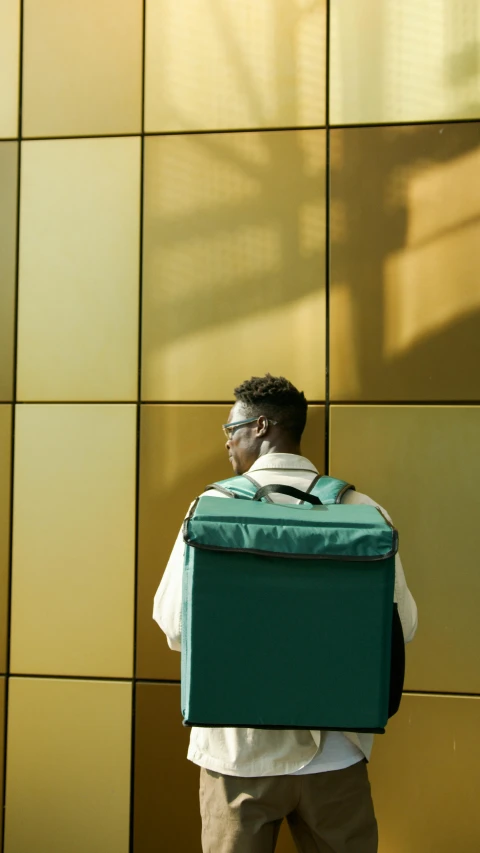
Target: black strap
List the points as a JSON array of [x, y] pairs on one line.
[[286, 490], [397, 665]]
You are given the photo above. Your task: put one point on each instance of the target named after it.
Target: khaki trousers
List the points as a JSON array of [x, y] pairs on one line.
[[329, 812]]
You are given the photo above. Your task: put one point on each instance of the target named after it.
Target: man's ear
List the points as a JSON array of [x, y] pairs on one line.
[[262, 425]]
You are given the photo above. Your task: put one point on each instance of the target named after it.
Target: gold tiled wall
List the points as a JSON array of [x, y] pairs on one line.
[[78, 269], [68, 765], [217, 64], [193, 193], [238, 220]]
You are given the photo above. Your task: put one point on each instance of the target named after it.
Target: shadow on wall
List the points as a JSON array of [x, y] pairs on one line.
[[405, 212], [235, 237], [405, 320], [234, 262], [235, 258], [235, 223]]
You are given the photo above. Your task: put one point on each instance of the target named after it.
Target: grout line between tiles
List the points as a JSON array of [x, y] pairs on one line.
[[411, 403], [13, 422], [176, 681], [327, 244], [137, 448], [257, 129], [447, 693]]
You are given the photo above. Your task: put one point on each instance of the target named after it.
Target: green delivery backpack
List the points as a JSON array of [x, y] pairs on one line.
[[288, 619]]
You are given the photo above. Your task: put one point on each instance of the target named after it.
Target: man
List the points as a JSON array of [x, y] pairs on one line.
[[252, 778]]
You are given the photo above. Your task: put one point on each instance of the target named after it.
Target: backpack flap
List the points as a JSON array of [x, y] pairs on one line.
[[353, 533]]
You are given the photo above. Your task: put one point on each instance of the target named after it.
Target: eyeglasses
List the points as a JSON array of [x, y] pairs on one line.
[[228, 429]]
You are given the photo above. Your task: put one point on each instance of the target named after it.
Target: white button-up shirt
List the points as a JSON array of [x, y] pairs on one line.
[[266, 752]]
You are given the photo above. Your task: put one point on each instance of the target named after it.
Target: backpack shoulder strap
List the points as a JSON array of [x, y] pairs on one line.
[[236, 487], [329, 489]]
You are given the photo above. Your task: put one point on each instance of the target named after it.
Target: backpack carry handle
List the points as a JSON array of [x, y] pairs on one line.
[[287, 490]]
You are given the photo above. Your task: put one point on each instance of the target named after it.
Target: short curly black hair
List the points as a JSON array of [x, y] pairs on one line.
[[276, 398]]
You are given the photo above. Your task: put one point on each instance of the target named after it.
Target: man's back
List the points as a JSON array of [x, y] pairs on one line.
[[260, 752]]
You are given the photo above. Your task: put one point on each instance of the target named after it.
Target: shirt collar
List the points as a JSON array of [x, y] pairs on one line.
[[289, 461]]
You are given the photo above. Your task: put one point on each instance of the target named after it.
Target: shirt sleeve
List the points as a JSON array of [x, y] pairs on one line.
[[167, 604], [407, 609]]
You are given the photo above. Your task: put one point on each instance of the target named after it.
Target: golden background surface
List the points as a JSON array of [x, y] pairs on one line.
[[194, 192]]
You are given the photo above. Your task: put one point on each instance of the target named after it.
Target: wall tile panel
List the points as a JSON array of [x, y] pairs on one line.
[[425, 775], [68, 767], [405, 266], [181, 451], [5, 474], [9, 67], [404, 62], [222, 65], [74, 540], [422, 464], [233, 263], [82, 67], [2, 743], [166, 809], [79, 270]]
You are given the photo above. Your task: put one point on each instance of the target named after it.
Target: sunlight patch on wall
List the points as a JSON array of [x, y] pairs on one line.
[[217, 64], [283, 340], [443, 197], [344, 356], [434, 281], [404, 61]]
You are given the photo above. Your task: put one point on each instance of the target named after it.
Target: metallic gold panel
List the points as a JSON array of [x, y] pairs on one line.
[[8, 244], [182, 450], [422, 464], [74, 540], [233, 262], [409, 61], [82, 67], [68, 766], [425, 774], [79, 270], [313, 441], [405, 230], [166, 810], [2, 742], [9, 66], [5, 473], [285, 843], [217, 64]]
